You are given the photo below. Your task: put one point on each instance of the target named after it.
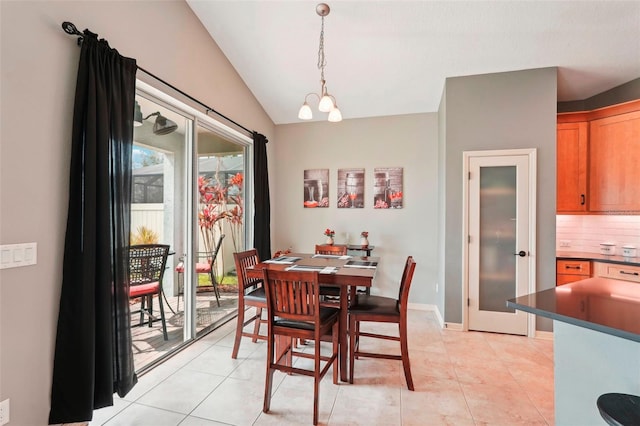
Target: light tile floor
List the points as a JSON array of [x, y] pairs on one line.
[[461, 378]]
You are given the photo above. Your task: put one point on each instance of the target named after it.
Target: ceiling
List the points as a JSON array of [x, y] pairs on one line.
[[392, 57]]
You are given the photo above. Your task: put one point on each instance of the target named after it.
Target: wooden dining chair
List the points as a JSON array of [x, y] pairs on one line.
[[250, 293], [147, 263], [330, 293], [337, 250], [382, 309], [294, 312]]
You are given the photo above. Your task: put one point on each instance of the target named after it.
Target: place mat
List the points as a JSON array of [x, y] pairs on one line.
[[361, 264], [332, 256], [319, 269], [284, 260]]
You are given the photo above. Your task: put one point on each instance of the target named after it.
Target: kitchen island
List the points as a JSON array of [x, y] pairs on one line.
[[596, 343]]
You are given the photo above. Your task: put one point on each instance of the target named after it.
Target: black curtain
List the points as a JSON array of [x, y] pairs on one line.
[[262, 219], [93, 355]]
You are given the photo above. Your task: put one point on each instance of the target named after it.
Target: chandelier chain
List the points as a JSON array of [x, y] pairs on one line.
[[321, 59]]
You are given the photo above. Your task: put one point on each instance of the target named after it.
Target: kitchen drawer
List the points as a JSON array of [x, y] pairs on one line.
[[619, 272], [574, 267]]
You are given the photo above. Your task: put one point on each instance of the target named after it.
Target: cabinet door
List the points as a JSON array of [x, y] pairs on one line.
[[572, 145], [614, 172]]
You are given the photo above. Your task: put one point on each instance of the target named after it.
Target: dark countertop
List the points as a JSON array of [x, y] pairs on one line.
[[602, 304], [577, 255]]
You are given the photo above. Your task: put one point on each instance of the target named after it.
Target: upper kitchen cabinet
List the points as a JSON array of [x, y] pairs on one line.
[[572, 149], [598, 160], [614, 164]]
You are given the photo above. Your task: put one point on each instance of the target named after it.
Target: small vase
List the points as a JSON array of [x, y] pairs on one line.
[[364, 242], [329, 241]]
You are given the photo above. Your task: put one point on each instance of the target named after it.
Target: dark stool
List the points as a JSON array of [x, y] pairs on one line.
[[619, 409]]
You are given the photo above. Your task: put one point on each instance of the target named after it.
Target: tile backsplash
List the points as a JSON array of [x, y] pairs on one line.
[[586, 232]]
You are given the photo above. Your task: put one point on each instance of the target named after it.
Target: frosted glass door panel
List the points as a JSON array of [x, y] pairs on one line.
[[497, 237]]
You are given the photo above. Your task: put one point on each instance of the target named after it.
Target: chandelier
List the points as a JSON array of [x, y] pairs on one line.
[[327, 103]]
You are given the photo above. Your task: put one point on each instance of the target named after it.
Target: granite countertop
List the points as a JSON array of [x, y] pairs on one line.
[[602, 304], [578, 255]]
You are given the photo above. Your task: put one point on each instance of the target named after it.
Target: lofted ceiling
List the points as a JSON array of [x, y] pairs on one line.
[[392, 57]]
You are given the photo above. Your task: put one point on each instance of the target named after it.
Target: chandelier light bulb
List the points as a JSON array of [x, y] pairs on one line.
[[326, 104], [335, 115], [305, 112]]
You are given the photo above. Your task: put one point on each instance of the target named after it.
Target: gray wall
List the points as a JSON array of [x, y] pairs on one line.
[[499, 111], [39, 64], [407, 141]]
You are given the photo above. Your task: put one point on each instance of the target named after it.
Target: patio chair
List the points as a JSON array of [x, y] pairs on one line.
[[294, 312], [382, 309], [147, 263], [204, 266], [250, 293]]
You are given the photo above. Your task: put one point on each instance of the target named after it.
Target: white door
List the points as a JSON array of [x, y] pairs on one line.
[[501, 234]]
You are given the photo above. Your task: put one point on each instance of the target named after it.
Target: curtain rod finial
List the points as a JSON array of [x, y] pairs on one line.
[[69, 28]]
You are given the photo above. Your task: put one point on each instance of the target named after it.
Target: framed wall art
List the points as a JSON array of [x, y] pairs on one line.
[[316, 188], [387, 188], [350, 188]]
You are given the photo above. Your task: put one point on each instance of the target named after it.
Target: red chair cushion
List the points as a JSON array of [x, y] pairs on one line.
[[201, 268], [144, 289]]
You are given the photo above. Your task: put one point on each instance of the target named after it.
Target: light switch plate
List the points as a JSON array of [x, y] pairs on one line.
[[4, 412], [16, 255]]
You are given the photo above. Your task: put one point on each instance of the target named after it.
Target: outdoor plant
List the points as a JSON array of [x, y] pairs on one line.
[[143, 235], [215, 199]]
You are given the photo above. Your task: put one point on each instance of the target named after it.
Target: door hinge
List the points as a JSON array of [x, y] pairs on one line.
[[469, 175], [468, 302], [468, 239]]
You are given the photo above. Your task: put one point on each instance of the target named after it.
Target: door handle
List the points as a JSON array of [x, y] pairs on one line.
[[521, 253], [582, 199]]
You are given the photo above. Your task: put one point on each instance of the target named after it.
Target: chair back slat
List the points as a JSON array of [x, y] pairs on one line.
[[405, 282], [243, 261], [293, 295], [147, 263], [331, 249]]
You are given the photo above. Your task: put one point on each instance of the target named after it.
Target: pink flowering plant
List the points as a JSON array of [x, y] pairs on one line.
[[364, 234], [329, 232], [220, 202]]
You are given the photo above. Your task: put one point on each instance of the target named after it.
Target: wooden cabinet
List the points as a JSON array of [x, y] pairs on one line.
[[572, 145], [619, 272], [614, 166], [568, 271], [598, 153]]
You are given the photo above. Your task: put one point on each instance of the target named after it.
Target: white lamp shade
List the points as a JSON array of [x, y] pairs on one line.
[[305, 112], [326, 104], [335, 115]]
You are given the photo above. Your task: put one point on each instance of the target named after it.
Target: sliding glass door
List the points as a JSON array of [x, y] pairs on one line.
[[221, 220], [189, 190]]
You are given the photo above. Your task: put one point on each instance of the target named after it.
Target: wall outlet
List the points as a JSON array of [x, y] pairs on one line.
[[4, 412], [565, 243]]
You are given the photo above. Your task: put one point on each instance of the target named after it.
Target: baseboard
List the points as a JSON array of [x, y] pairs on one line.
[[455, 326], [430, 308]]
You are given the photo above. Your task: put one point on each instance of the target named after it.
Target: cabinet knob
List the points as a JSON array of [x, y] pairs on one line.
[[582, 199], [521, 253]]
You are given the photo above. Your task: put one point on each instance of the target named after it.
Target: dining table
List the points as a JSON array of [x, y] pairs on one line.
[[346, 272]]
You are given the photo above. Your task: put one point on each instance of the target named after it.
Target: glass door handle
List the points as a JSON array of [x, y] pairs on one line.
[[521, 253]]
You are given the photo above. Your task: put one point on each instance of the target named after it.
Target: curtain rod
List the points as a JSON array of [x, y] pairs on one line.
[[71, 29]]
